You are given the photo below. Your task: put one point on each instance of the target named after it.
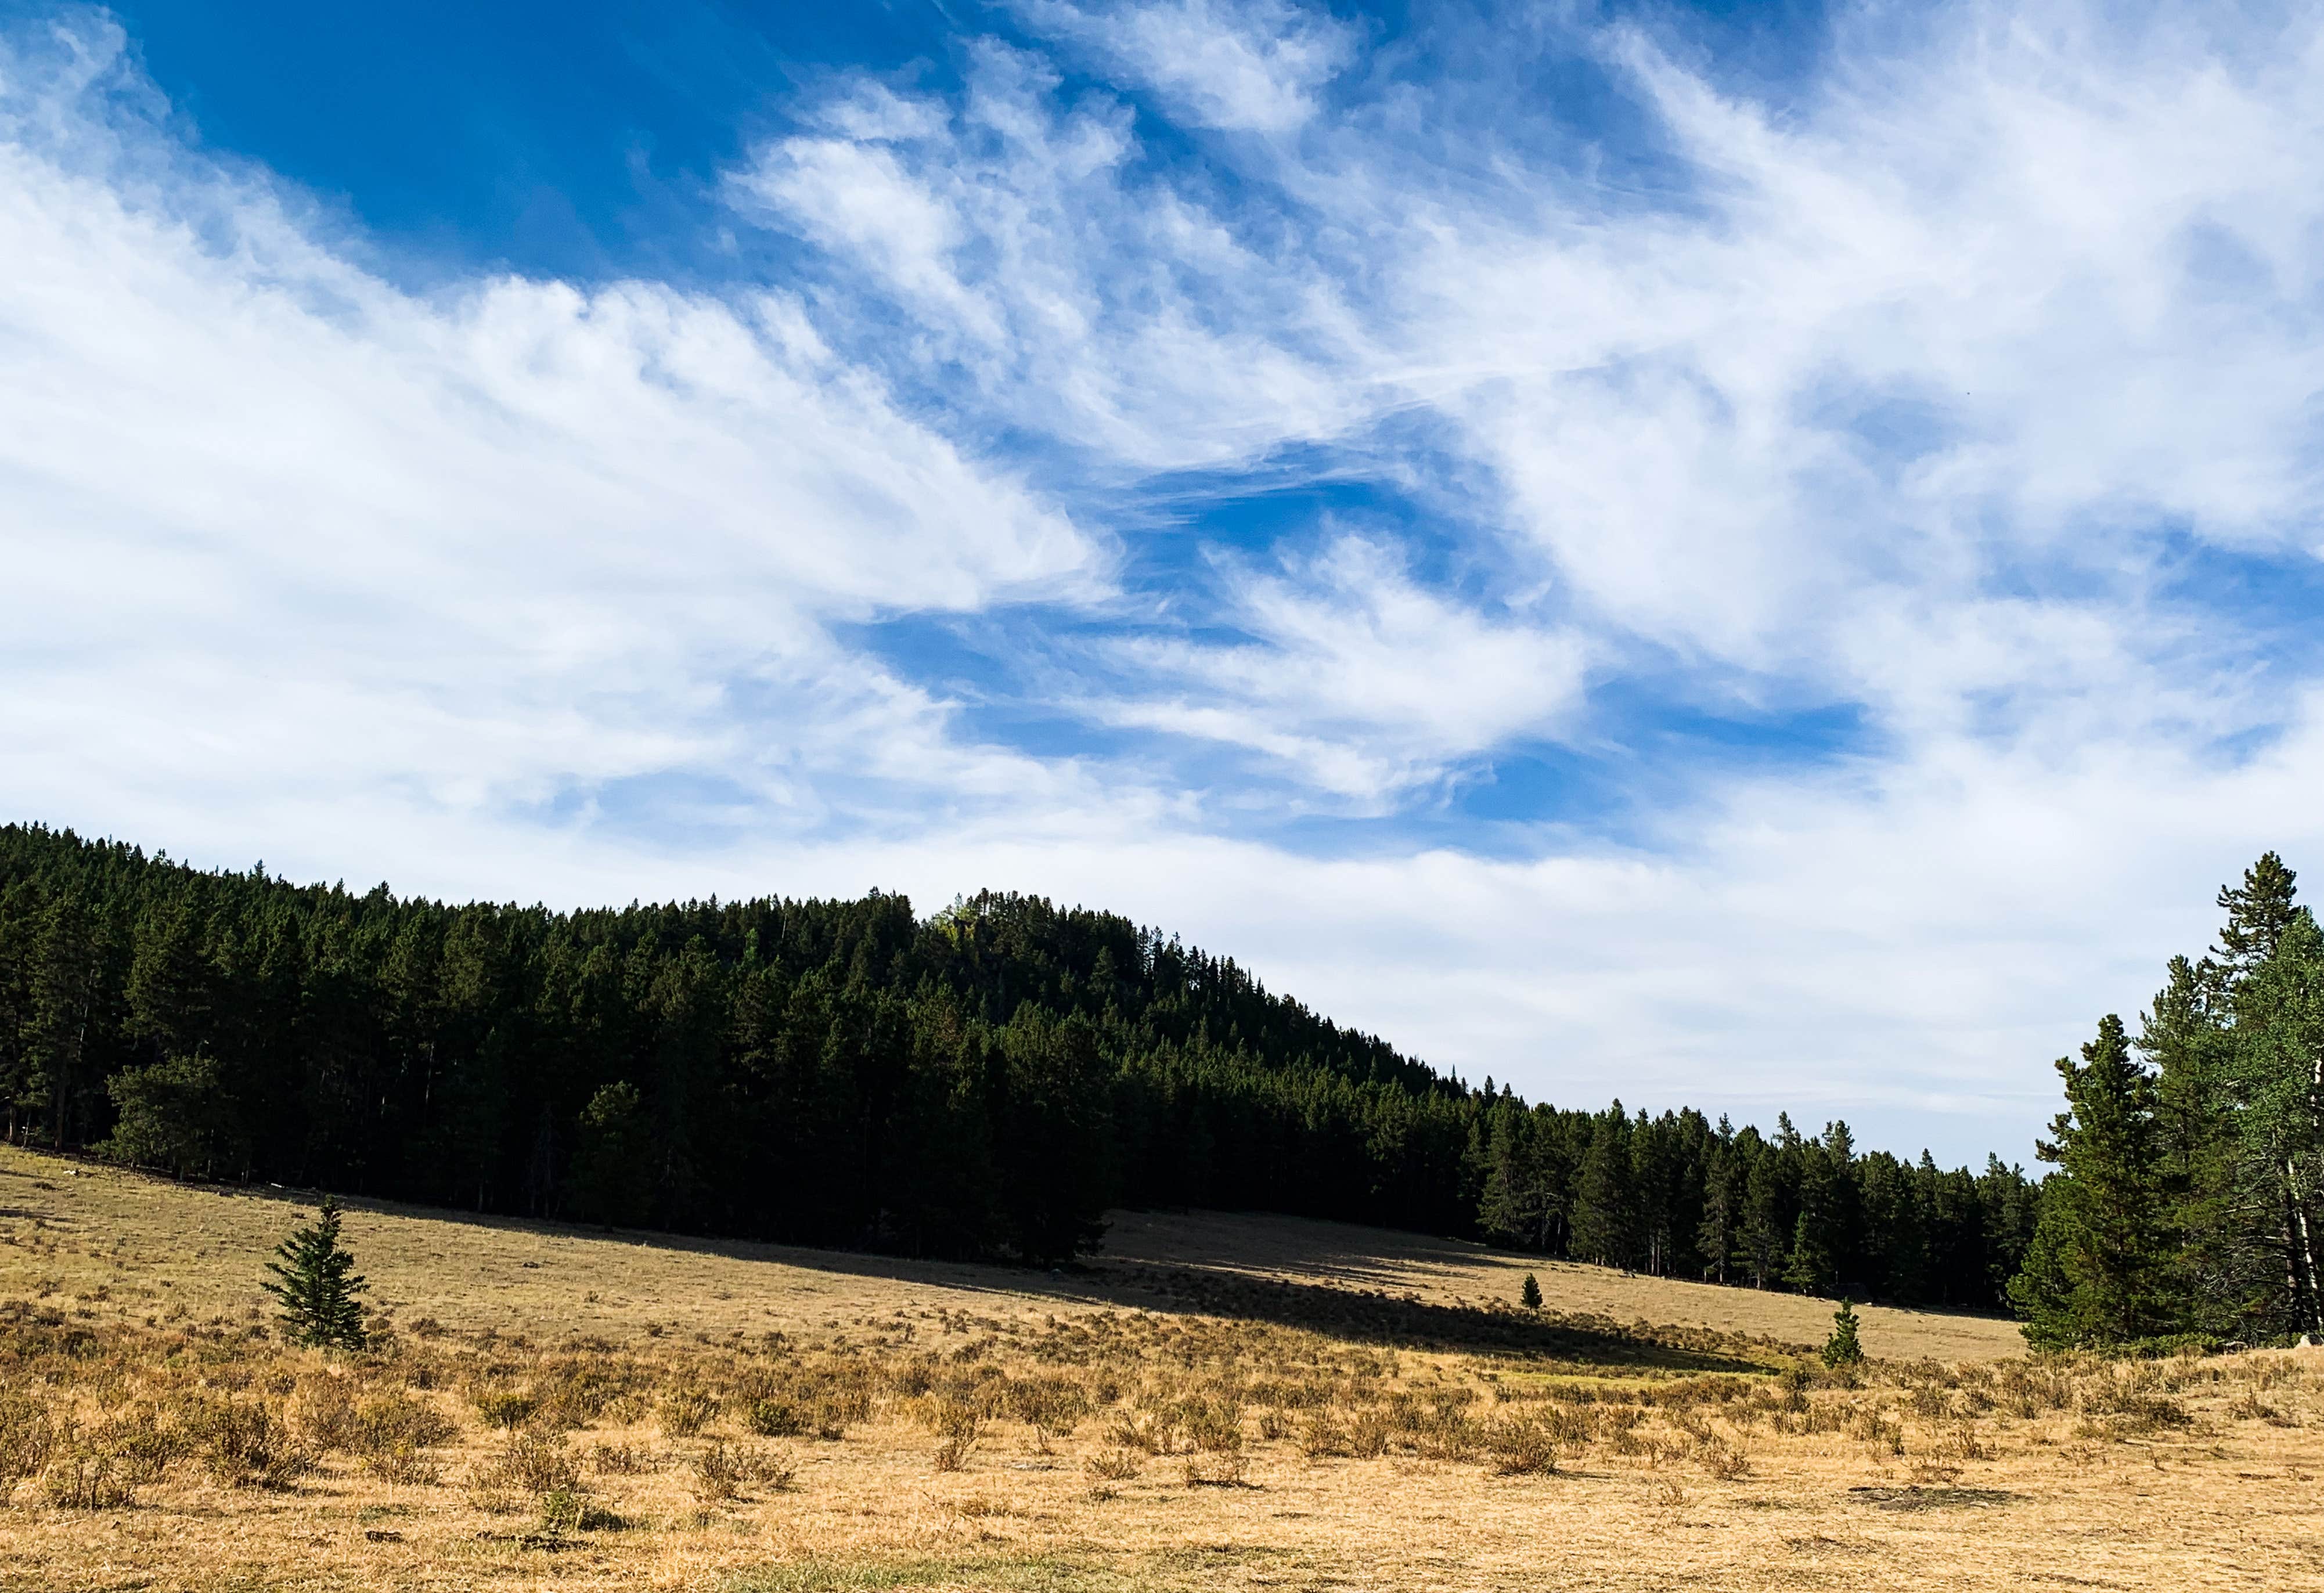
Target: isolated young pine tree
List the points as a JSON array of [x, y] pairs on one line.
[[316, 1282], [1529, 1296], [2097, 1270], [1843, 1348]]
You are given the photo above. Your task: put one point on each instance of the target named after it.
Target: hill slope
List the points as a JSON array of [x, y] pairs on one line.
[[131, 1247], [983, 1081]]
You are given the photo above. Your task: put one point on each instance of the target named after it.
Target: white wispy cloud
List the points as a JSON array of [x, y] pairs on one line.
[[274, 523], [1045, 277], [1251, 66], [1919, 389], [1358, 677]]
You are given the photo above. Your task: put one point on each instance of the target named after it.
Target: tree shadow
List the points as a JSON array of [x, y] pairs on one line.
[[1406, 1321]]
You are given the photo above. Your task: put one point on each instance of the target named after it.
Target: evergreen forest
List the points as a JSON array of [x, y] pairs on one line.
[[2189, 1157], [988, 1080]]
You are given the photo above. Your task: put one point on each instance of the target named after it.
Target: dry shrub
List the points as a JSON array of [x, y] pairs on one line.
[[1213, 1426], [1320, 1437], [1932, 1403], [1217, 1470], [27, 1437], [2133, 1399], [575, 1391], [504, 1409], [403, 1465], [534, 1463], [1368, 1435], [764, 1467], [1447, 1434], [685, 1412], [1723, 1459], [1051, 1407], [2026, 1388], [959, 1423], [1523, 1446], [1113, 1465], [142, 1442], [721, 1471], [322, 1411], [776, 1418], [1570, 1425], [2247, 1406], [245, 1443], [1156, 1434], [87, 1479], [384, 1423], [620, 1459], [1884, 1435], [1794, 1383], [1960, 1441]]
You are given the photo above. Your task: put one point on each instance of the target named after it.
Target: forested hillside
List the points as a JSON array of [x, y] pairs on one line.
[[985, 1081]]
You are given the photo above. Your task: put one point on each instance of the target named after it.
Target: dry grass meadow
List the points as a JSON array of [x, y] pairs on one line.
[[1218, 1403]]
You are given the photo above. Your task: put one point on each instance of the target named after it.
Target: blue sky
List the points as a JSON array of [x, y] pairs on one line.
[[1753, 556]]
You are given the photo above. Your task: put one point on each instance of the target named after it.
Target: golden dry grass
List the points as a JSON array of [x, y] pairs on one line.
[[1226, 1404]]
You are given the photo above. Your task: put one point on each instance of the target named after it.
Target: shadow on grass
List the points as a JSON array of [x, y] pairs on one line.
[[1344, 1260], [1408, 1323]]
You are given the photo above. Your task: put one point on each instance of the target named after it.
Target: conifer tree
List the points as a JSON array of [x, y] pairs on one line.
[[1842, 1349], [315, 1284], [2096, 1273], [1529, 1296], [613, 1181], [2259, 911], [1604, 1207], [2276, 1184]]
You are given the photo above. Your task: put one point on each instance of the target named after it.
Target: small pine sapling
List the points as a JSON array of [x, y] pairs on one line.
[[1842, 1349], [1529, 1296], [315, 1284]]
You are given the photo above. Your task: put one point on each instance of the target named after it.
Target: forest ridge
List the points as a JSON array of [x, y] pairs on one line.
[[988, 1079]]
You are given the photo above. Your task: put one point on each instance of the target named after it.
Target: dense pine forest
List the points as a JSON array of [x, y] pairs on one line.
[[2190, 1190], [984, 1082]]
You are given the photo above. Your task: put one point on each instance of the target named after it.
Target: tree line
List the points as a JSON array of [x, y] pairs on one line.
[[2188, 1195], [987, 1080]]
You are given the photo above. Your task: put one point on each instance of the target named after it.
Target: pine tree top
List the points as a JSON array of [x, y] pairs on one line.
[[2258, 911]]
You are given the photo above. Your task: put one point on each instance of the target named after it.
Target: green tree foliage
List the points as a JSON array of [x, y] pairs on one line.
[[2187, 1195], [1529, 1293], [985, 1081], [2273, 1177], [1843, 1348], [177, 1114], [2102, 1249], [315, 1283], [612, 1169]]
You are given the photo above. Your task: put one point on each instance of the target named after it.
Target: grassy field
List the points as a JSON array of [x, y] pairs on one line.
[[1218, 1403]]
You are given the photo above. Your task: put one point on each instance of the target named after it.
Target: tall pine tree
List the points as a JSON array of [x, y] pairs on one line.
[[2098, 1273]]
